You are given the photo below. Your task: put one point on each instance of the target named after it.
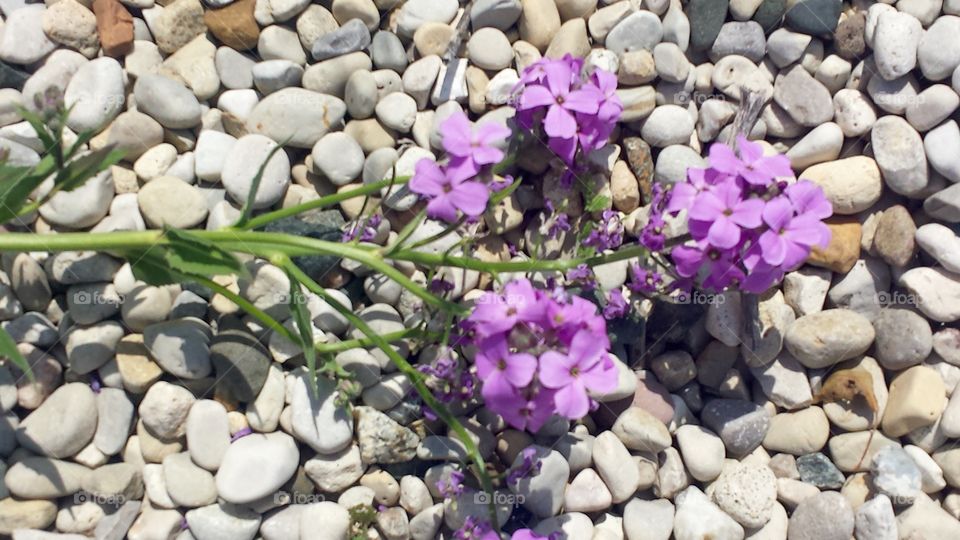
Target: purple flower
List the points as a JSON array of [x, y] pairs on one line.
[[527, 534], [583, 276], [789, 238], [471, 149], [500, 370], [643, 280], [496, 313], [683, 194], [561, 100], [448, 192], [584, 367], [523, 411], [452, 486], [722, 212], [608, 233], [616, 307], [719, 266], [475, 528], [752, 166], [528, 468]]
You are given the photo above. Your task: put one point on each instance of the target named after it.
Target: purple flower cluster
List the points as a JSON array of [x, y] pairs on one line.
[[607, 233], [364, 229], [748, 227], [539, 354], [448, 380], [528, 468], [462, 184], [577, 111], [475, 528]]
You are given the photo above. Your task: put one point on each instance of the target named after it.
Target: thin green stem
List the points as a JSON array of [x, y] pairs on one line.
[[416, 378], [327, 200], [346, 345], [247, 306]]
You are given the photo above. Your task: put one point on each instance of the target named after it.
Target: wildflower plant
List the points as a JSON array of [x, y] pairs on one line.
[[528, 349]]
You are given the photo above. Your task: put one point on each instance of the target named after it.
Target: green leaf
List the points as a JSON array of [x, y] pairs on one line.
[[254, 187], [190, 254], [16, 184], [38, 125], [78, 171], [8, 348], [298, 305], [150, 266], [597, 203]]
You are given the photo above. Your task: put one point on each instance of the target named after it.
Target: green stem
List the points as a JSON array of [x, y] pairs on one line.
[[327, 200], [247, 306], [416, 378], [340, 346]]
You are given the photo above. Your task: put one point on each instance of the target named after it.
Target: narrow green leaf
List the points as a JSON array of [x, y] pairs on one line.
[[190, 254], [254, 187], [16, 184], [298, 305], [597, 203], [78, 171], [8, 349], [150, 266], [44, 134]]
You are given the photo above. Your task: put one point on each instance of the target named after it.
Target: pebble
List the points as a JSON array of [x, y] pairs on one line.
[[917, 398], [500, 14], [896, 38], [933, 106], [222, 521], [825, 338], [64, 424], [641, 30], [539, 22], [23, 40], [804, 98], [904, 338], [896, 475], [167, 101], [187, 484], [609, 455], [936, 292], [181, 347], [740, 38], [242, 163], [338, 157], [937, 54], [316, 418], [826, 516], [900, 155], [414, 13], [667, 125], [875, 520], [696, 518], [351, 37], [164, 409], [255, 466], [937, 144], [170, 202], [747, 493], [640, 430], [489, 48], [296, 116], [706, 20], [84, 206], [336, 521], [382, 440], [817, 470], [740, 424]]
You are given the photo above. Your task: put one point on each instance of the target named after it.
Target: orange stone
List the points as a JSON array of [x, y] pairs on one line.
[[234, 25], [115, 26], [844, 249]]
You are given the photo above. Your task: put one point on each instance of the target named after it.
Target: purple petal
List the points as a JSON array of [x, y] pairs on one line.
[[748, 213], [442, 208], [487, 155], [723, 159], [749, 151], [520, 369], [572, 401], [555, 369], [558, 77], [582, 101], [457, 134], [470, 197], [707, 206], [773, 247], [536, 96], [559, 123], [724, 233], [428, 178], [777, 213]]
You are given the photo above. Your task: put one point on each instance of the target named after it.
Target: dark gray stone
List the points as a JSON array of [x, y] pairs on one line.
[[11, 77], [318, 224], [350, 37], [706, 19], [817, 469], [814, 17], [741, 424], [241, 363]]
